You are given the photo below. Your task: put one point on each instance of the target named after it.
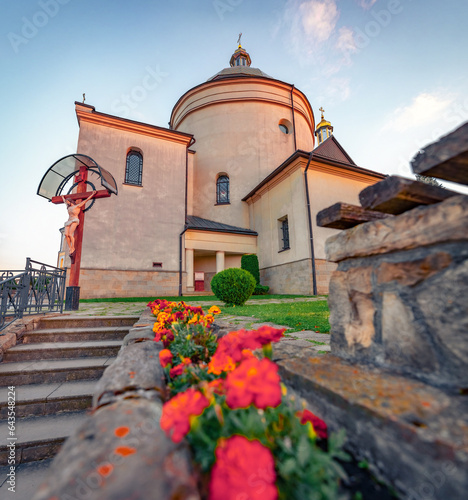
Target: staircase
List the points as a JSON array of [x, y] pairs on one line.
[[53, 373]]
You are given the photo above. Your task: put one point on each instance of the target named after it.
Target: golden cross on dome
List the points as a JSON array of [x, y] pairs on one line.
[[322, 111], [239, 39]]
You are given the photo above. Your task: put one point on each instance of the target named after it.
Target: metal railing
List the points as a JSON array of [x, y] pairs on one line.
[[38, 289]]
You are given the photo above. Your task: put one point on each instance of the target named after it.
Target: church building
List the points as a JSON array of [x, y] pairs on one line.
[[242, 169]]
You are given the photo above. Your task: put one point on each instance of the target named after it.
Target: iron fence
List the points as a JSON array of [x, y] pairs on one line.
[[37, 289]]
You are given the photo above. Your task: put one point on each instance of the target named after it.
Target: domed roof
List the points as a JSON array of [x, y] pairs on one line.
[[238, 71], [240, 66]]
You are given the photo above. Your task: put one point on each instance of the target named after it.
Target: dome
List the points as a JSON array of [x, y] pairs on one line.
[[238, 71]]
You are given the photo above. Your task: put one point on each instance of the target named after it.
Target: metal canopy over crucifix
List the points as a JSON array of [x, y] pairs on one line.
[[76, 167]]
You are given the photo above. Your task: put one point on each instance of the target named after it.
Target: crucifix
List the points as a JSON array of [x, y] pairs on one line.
[[239, 39], [74, 230], [322, 111]]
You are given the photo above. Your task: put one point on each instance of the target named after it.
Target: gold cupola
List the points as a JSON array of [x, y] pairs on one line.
[[324, 129], [241, 56]]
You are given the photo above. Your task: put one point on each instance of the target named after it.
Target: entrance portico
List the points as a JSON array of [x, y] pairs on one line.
[[211, 247]]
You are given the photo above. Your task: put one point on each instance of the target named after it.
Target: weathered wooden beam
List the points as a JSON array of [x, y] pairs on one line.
[[445, 159], [395, 195], [344, 216]]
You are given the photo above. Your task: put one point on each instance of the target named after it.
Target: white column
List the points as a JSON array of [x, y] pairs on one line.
[[189, 269], [219, 261]]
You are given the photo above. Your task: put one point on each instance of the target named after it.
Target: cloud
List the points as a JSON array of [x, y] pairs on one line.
[[425, 109], [319, 19], [345, 42], [366, 4]]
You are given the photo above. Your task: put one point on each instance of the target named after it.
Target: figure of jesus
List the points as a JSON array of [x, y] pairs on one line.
[[73, 221]]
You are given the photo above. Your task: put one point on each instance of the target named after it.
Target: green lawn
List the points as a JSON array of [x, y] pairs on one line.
[[189, 298], [297, 315]]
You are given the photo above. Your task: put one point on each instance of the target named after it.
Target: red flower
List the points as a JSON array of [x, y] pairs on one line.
[[319, 426], [178, 412], [179, 369], [253, 382], [165, 357], [266, 334], [243, 469]]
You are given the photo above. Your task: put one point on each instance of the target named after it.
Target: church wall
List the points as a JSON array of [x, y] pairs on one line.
[[141, 225], [105, 283], [286, 198], [327, 188]]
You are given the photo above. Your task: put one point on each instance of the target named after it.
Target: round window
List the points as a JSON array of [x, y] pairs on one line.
[[285, 126]]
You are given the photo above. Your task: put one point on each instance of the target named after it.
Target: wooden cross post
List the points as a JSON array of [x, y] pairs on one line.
[[73, 290]]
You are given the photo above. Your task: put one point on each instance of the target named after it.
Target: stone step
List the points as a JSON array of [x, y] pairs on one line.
[[76, 334], [28, 478], [38, 438], [62, 350], [48, 399], [70, 321], [47, 371]]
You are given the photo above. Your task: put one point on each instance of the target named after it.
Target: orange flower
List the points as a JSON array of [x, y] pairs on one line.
[[214, 310], [165, 357], [253, 382], [179, 411], [221, 363], [319, 427], [243, 469], [230, 351]]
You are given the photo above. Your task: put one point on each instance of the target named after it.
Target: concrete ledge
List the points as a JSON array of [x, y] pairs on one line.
[[120, 452], [412, 434]]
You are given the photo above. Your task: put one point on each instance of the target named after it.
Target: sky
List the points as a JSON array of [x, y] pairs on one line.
[[392, 76]]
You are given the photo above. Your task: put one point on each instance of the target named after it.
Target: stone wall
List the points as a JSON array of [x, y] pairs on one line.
[[399, 296], [105, 283], [296, 277]]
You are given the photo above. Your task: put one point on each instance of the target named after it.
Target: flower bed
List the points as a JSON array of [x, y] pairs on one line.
[[248, 438]]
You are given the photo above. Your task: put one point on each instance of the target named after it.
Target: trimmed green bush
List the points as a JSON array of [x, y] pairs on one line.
[[233, 286], [261, 290], [250, 263]]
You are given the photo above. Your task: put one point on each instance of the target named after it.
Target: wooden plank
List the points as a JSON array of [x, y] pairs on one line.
[[395, 195], [344, 216], [445, 159], [103, 193]]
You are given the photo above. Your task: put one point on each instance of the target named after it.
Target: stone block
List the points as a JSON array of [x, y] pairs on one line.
[[404, 346], [351, 312], [443, 304], [410, 273], [136, 369], [440, 223], [120, 452]]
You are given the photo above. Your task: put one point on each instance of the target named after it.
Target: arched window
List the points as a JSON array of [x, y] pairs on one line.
[[134, 168], [222, 190]]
